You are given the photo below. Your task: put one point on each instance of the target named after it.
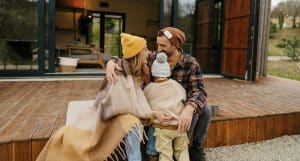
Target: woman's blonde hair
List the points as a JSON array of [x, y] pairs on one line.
[[135, 65]]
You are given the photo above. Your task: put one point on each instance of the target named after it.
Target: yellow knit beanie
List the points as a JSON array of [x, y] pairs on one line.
[[132, 45]]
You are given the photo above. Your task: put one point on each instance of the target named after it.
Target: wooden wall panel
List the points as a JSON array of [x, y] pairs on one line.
[[270, 127], [203, 13], [202, 56], [279, 125], [70, 4], [222, 132], [212, 134], [21, 151], [244, 130], [5, 151], [237, 8], [205, 35], [236, 36], [296, 125], [213, 60], [260, 129], [289, 124], [234, 61], [37, 147], [232, 135], [236, 33], [204, 39], [252, 130]]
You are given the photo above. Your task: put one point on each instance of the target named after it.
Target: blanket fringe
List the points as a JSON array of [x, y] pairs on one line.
[[138, 131]]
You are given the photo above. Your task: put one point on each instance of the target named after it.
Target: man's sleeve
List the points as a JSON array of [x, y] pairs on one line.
[[197, 96]]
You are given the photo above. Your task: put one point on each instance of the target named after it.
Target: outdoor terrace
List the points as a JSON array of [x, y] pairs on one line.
[[31, 111]]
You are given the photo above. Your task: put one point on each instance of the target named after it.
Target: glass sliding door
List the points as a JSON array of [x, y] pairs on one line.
[[95, 30], [104, 32], [167, 14], [185, 21], [19, 49], [113, 29]]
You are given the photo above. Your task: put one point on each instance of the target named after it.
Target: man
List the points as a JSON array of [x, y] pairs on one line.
[[185, 70]]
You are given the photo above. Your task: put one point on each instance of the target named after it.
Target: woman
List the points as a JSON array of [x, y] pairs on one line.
[[97, 130], [126, 96]]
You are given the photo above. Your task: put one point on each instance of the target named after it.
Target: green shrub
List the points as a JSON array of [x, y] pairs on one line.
[[291, 48], [273, 28], [282, 43]]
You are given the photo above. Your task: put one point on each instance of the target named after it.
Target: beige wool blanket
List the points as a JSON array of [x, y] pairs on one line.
[[95, 129], [85, 137]]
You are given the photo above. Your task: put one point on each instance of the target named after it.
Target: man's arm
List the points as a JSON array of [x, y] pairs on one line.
[[196, 95]]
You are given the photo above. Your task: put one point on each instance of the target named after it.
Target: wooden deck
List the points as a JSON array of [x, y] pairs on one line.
[[31, 111]]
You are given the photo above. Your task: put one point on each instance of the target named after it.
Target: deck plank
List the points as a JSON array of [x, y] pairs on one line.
[[15, 117]]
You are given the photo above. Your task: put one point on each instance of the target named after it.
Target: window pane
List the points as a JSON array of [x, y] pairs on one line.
[[167, 15], [95, 30], [185, 21], [113, 28], [18, 34]]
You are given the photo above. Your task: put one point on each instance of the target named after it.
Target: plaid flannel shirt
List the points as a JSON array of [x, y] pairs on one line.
[[187, 72]]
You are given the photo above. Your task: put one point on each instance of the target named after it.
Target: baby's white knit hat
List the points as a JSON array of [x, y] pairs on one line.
[[160, 66]]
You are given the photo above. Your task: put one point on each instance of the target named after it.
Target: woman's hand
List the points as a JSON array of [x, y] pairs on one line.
[[163, 117], [110, 71]]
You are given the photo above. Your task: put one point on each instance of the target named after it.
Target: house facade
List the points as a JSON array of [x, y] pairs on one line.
[[227, 37]]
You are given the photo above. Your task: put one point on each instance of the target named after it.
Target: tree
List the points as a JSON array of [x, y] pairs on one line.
[[280, 20], [293, 11], [289, 9]]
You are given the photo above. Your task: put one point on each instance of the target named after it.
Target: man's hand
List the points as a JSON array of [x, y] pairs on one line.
[[185, 118], [110, 71], [162, 117]]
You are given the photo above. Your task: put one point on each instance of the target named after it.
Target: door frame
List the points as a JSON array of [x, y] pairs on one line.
[[253, 40], [41, 46], [102, 23]]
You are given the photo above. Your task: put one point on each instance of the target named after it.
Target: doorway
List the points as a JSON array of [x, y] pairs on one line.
[[104, 31], [209, 30]]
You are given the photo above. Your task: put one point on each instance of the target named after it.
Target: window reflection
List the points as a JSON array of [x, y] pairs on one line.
[[167, 14], [185, 21], [18, 35]]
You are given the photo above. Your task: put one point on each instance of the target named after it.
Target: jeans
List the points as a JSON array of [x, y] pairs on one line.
[[200, 130], [133, 146], [197, 132], [150, 147]]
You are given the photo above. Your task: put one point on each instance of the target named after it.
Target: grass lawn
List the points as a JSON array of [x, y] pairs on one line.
[[285, 69], [288, 33]]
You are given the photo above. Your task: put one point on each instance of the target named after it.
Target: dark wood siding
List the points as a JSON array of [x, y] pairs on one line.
[[205, 52], [235, 40]]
